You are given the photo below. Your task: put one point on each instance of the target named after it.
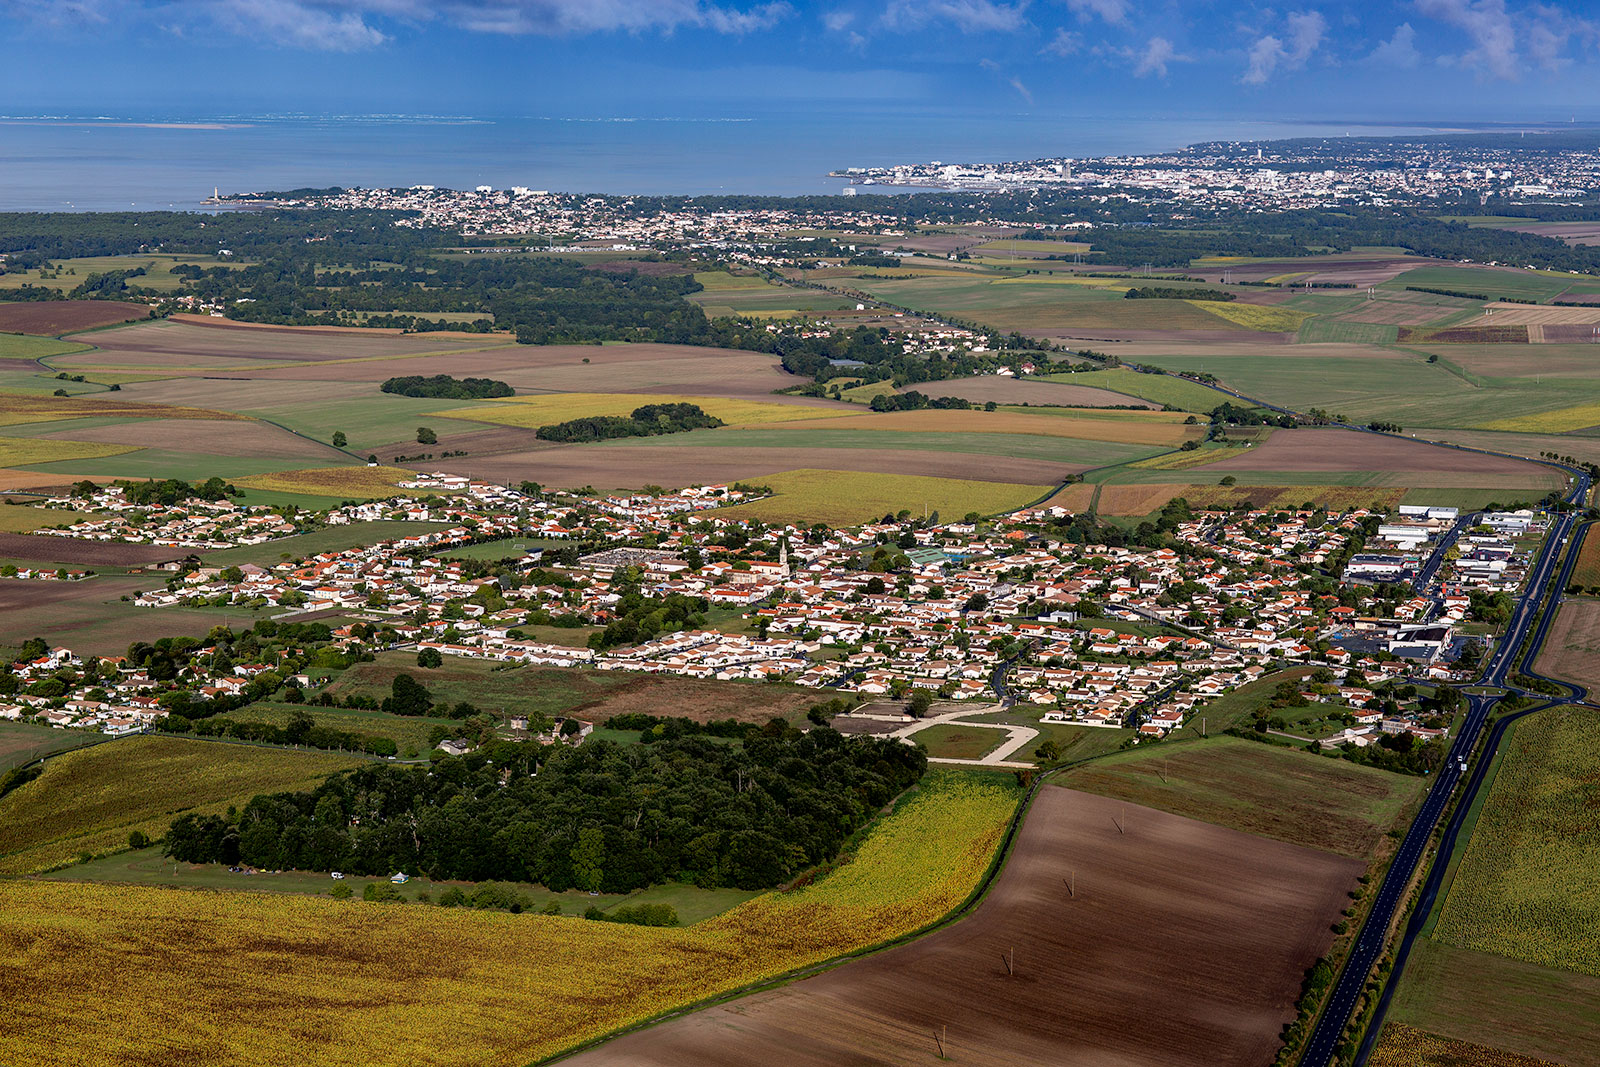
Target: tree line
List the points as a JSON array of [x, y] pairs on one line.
[[600, 816]]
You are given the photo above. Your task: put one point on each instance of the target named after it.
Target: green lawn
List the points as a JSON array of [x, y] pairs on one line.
[[953, 741]]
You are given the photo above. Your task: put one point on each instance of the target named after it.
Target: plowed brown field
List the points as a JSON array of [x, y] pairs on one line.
[[1184, 944], [51, 318]]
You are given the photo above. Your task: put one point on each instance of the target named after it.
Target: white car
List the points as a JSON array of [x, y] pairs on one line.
[[338, 875]]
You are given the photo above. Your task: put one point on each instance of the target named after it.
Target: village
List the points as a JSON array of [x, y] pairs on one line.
[[982, 614]]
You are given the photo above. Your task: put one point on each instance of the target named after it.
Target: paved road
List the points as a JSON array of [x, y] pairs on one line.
[[1525, 620]]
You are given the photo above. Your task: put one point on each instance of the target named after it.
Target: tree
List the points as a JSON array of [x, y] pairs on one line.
[[587, 856], [425, 436], [138, 839], [430, 658], [1048, 752], [920, 702], [339, 439]]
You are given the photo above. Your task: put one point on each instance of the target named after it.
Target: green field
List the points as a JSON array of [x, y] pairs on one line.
[[1496, 284], [409, 733], [24, 346], [24, 742], [368, 422], [1528, 885], [1282, 793], [327, 539], [1021, 303], [1156, 388], [167, 463], [1504, 1003], [90, 801]]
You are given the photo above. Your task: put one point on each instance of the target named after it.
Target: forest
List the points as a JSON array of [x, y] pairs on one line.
[[600, 816]]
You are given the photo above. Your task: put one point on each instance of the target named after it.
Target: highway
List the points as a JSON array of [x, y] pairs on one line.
[[1527, 619]]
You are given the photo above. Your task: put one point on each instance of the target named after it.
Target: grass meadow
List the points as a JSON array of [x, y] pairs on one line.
[[843, 498]]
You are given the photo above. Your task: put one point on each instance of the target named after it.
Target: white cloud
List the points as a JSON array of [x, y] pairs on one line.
[[1398, 52], [969, 16], [1112, 11], [1304, 30], [1154, 58], [1489, 25], [1010, 79], [1065, 43], [346, 25]]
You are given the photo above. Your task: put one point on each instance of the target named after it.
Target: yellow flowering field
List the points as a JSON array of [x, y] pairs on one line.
[[124, 975], [1255, 316]]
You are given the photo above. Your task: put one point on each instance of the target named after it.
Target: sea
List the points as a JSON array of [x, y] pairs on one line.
[[154, 162]]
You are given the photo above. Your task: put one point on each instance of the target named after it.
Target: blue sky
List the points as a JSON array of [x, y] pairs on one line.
[[1414, 60]]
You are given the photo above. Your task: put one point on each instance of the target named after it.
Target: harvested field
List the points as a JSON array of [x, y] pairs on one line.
[[346, 483], [1319, 449], [192, 341], [1572, 651], [641, 368], [48, 549], [89, 617], [1543, 315], [54, 317], [1138, 429], [21, 451], [1466, 335], [1136, 500], [840, 498], [1023, 391], [1076, 498], [632, 466], [1224, 923], [1285, 794], [36, 408], [259, 440]]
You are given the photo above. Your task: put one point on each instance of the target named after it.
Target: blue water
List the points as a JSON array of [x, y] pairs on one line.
[[100, 164]]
